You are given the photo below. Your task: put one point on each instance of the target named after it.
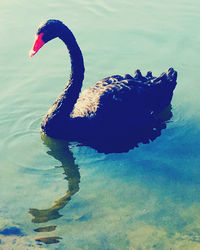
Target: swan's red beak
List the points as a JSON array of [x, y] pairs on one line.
[[37, 44]]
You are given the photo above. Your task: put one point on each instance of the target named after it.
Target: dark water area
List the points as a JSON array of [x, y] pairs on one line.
[[58, 195]]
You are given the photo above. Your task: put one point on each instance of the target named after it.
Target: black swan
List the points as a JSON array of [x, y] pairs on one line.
[[113, 106]]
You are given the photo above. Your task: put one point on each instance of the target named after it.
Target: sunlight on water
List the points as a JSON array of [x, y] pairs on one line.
[[58, 195]]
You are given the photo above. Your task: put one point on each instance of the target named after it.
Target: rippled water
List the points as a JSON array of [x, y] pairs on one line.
[[71, 196]]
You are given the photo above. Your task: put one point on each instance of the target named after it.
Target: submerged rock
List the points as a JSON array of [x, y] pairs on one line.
[[11, 231]]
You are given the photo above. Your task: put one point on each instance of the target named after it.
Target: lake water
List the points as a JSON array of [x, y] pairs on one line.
[[59, 196]]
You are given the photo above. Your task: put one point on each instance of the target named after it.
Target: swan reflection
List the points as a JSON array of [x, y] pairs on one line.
[[59, 149]]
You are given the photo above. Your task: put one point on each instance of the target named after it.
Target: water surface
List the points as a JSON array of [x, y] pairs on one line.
[[60, 196]]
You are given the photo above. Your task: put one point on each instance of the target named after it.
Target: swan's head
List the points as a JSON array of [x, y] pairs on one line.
[[47, 31]]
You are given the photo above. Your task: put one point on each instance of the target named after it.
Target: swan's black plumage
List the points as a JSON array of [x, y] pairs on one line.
[[115, 104]]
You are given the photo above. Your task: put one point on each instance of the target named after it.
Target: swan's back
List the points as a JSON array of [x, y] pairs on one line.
[[124, 96]]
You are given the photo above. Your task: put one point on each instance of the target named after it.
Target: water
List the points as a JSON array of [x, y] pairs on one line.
[[147, 198]]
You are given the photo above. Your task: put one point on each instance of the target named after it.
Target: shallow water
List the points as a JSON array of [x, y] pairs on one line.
[[147, 198]]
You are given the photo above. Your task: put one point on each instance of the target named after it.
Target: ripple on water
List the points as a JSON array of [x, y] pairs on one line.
[[26, 150], [26, 120], [98, 8]]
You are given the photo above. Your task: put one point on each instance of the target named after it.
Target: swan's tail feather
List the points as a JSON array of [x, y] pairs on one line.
[[163, 87], [167, 79], [172, 77]]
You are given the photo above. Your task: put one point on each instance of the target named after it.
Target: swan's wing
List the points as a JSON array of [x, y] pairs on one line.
[[124, 95], [90, 100]]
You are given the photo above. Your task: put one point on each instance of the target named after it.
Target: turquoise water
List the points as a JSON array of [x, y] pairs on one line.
[[147, 198]]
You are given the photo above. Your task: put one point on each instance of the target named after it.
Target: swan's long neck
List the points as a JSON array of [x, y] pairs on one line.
[[59, 114], [71, 91]]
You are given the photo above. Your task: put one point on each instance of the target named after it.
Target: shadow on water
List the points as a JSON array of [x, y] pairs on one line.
[[59, 149]]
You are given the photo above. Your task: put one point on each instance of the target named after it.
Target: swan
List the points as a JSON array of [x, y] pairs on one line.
[[114, 105]]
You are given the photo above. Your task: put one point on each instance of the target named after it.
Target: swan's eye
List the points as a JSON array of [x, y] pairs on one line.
[[38, 43]]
